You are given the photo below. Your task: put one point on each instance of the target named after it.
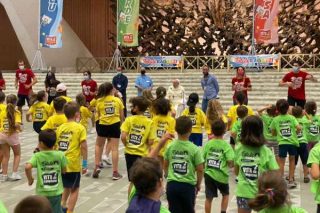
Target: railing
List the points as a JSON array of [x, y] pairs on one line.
[[132, 64]]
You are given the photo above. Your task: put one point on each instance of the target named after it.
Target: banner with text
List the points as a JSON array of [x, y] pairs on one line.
[[161, 61], [254, 60], [50, 23], [266, 21], [128, 22]]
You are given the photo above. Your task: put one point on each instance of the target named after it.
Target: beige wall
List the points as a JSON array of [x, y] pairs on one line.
[[23, 15]]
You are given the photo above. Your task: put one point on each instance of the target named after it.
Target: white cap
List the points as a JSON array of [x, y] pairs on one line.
[[61, 87]]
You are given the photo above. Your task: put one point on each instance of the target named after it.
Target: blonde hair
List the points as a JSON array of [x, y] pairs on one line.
[[214, 111], [11, 104]]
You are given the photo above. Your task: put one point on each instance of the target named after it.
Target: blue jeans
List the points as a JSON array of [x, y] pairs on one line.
[[205, 105]]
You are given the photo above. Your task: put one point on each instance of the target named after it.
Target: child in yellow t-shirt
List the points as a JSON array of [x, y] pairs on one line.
[[197, 117], [10, 125], [147, 94], [61, 92], [85, 113], [72, 140], [39, 110], [163, 123], [58, 118], [137, 133], [110, 115]]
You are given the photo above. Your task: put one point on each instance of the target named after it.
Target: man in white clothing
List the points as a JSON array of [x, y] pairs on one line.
[[176, 95]]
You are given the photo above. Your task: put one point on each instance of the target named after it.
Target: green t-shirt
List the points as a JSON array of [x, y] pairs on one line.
[[3, 208], [284, 209], [285, 127], [313, 132], [302, 135], [314, 158], [252, 161], [216, 154], [133, 193], [236, 128], [267, 120], [49, 166], [183, 157]]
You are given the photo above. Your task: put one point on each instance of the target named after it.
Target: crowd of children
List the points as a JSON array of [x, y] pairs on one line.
[[159, 147]]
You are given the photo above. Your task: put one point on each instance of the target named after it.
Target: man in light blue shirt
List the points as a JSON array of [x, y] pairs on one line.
[[210, 87], [143, 82]]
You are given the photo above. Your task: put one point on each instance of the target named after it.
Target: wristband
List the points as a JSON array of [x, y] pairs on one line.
[[84, 163]]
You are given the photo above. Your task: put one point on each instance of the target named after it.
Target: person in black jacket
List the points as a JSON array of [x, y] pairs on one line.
[[120, 83]]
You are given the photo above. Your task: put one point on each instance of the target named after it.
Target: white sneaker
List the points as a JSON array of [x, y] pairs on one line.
[[106, 161], [15, 176], [93, 131], [3, 178]]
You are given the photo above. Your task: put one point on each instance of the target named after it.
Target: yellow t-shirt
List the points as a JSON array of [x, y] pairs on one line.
[[198, 119], [140, 130], [232, 113], [2, 107], [4, 125], [93, 104], [54, 122], [52, 111], [163, 124], [108, 109], [85, 115], [208, 125], [69, 137], [148, 113], [39, 111]]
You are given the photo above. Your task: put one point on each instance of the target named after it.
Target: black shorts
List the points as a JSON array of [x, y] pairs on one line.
[[212, 187], [37, 125], [71, 180], [302, 153], [22, 100], [108, 131], [284, 149], [130, 159], [296, 102]]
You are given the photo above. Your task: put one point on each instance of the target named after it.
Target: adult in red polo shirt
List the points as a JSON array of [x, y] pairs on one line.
[[241, 83], [25, 79], [295, 81], [89, 86]]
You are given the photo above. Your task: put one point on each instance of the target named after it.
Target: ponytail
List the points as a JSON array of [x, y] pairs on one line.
[[192, 109], [11, 118], [262, 201]]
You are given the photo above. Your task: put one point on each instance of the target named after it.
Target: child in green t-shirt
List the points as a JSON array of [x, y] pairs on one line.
[[218, 156], [267, 118], [314, 163], [286, 127], [273, 195], [297, 112], [251, 159], [313, 127], [242, 112], [50, 164], [183, 166]]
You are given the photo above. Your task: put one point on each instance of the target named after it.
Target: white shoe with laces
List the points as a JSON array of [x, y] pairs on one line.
[[3, 178], [15, 176]]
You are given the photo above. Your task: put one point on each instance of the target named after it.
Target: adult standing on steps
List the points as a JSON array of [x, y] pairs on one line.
[[25, 79], [143, 82], [120, 82], [51, 85], [176, 94], [210, 87], [295, 81], [241, 83]]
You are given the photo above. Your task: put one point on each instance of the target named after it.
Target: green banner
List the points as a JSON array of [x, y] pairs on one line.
[[128, 22]]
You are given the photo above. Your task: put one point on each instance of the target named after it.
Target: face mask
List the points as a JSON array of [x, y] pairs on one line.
[[295, 69], [143, 72], [86, 77], [21, 67]]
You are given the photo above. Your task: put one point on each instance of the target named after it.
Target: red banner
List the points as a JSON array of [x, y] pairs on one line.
[[266, 21]]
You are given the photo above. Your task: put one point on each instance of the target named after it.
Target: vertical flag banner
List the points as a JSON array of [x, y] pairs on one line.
[[128, 22], [50, 23], [266, 21]]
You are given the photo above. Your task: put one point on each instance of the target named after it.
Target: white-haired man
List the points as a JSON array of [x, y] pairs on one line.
[[176, 94]]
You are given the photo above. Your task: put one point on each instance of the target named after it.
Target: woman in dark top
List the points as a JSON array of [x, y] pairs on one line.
[[51, 84], [2, 82]]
